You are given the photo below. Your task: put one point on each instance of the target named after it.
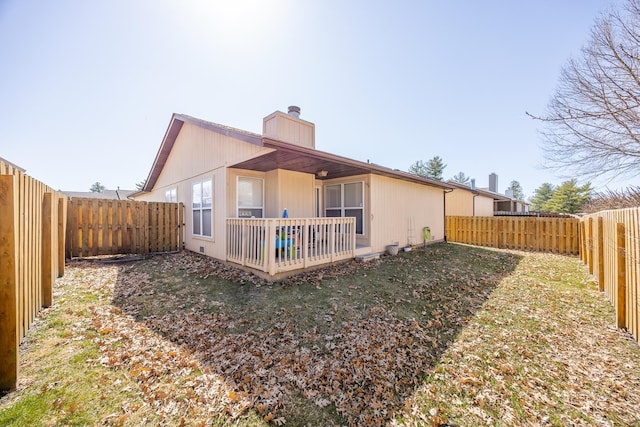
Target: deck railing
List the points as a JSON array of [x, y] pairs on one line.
[[277, 245]]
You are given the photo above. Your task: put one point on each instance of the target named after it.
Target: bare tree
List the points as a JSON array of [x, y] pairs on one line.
[[593, 119]]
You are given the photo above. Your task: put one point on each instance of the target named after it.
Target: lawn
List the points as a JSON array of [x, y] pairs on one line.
[[445, 334]]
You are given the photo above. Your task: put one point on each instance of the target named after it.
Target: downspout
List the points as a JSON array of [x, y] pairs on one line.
[[473, 203], [444, 211]]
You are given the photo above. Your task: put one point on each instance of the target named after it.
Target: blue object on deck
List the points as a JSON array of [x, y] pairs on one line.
[[285, 214], [283, 243]]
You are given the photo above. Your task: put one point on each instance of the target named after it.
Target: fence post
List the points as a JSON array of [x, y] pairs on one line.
[[47, 250], [600, 254], [583, 241], [621, 306], [180, 226], [9, 339], [590, 246], [61, 233]]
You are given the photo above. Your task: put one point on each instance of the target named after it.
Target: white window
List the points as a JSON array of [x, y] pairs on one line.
[[202, 203], [171, 195], [250, 197], [345, 200]]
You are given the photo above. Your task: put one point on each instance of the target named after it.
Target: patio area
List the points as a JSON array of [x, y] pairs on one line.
[[281, 245]]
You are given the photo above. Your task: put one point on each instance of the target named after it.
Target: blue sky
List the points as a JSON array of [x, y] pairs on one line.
[[87, 88]]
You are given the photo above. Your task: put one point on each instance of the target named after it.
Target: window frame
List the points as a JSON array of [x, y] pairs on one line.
[[202, 208], [238, 208], [342, 208], [171, 195]]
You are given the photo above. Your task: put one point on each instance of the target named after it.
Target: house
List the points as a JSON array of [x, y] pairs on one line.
[[464, 200], [274, 204], [468, 200]]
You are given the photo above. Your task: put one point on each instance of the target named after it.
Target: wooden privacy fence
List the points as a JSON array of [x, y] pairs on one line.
[[108, 227], [611, 249], [556, 235], [32, 223]]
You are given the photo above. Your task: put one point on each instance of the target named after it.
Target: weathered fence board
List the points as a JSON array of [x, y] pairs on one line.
[[30, 250], [110, 227], [556, 235], [612, 252]]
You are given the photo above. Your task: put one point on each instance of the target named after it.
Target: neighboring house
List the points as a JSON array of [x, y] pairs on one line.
[[511, 206], [468, 200], [236, 186], [465, 200], [104, 194]]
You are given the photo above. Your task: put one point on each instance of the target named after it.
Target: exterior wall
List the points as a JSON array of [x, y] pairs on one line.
[[460, 203], [199, 154], [199, 150], [286, 128], [484, 206], [296, 192], [282, 189], [400, 210], [464, 203]]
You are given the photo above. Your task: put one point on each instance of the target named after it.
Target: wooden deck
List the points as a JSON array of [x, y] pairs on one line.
[[280, 245]]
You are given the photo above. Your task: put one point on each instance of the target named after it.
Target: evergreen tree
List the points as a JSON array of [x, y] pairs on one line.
[[460, 178], [541, 196], [435, 168], [97, 187], [419, 168], [569, 197], [516, 188]]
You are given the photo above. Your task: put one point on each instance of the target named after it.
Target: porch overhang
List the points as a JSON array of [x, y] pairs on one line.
[[301, 159]]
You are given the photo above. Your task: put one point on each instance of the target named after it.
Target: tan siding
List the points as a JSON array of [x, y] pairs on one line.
[[271, 187], [202, 154], [296, 194], [397, 206], [484, 206], [459, 203], [197, 151], [282, 189], [289, 129]]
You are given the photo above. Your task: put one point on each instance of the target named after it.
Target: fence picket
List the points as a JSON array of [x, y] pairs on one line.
[[110, 227], [556, 235], [618, 257], [30, 248]]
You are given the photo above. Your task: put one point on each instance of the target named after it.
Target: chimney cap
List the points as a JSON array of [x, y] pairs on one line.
[[294, 111]]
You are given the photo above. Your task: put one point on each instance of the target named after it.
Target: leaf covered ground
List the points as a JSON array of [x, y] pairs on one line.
[[447, 334]]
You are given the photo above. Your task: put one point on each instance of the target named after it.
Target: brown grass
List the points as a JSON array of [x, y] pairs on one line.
[[448, 334]]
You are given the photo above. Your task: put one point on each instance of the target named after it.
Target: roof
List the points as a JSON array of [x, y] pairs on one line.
[[284, 156], [105, 194], [170, 136], [481, 191], [302, 159]]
